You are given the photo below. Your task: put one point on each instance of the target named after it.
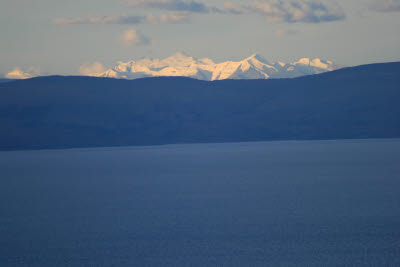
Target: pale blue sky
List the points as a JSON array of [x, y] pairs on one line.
[[57, 36]]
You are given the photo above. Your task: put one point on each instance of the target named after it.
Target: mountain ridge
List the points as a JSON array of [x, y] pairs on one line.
[[69, 112], [343, 69], [253, 67]]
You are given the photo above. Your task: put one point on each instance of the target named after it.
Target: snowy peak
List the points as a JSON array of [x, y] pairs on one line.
[[180, 58], [318, 63], [253, 67], [180, 55], [206, 61], [257, 57]]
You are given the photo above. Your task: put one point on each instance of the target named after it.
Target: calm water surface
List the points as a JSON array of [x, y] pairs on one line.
[[318, 203]]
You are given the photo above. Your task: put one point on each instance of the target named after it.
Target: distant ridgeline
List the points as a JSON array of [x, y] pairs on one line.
[[253, 67], [66, 112]]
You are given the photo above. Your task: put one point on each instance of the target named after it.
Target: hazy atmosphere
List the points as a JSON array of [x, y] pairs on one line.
[[44, 37], [199, 133]]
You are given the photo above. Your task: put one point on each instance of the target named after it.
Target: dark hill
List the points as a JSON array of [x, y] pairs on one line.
[[3, 80], [65, 112]]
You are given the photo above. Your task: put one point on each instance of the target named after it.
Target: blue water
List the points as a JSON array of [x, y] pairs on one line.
[[317, 203]]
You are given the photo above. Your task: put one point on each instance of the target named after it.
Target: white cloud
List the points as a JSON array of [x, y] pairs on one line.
[[18, 73], [386, 5], [169, 18], [291, 11], [91, 69], [133, 37]]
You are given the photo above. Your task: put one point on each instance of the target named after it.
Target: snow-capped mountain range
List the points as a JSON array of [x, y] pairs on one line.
[[253, 67]]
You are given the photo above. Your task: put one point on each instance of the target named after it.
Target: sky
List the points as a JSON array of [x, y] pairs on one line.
[[46, 37]]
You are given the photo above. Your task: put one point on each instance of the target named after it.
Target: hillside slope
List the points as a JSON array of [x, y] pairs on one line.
[[65, 112]]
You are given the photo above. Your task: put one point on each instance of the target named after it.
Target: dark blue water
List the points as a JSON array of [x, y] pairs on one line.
[[322, 203]]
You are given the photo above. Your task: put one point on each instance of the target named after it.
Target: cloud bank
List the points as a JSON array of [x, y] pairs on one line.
[[175, 5], [274, 11], [170, 18], [290, 11]]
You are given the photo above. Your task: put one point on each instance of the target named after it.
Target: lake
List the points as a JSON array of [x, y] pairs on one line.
[[289, 203]]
